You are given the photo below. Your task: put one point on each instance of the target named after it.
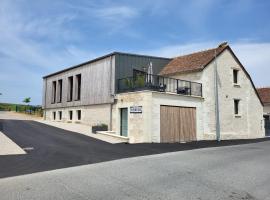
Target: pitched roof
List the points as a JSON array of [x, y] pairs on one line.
[[199, 60], [192, 62], [264, 94]]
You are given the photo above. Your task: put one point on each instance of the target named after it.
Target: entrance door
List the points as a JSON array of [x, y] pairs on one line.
[[177, 124], [124, 122], [267, 125]]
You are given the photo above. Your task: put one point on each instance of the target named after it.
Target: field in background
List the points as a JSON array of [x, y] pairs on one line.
[[28, 109]]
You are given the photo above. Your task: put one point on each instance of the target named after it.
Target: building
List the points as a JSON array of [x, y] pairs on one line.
[[199, 96], [265, 97]]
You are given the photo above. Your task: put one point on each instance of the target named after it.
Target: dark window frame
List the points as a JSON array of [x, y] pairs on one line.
[[235, 76], [53, 97], [79, 115], [60, 115], [78, 79], [60, 92], [70, 113], [54, 115], [70, 89], [236, 106]]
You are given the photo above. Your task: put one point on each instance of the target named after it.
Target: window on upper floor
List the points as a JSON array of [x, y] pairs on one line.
[[70, 88], [78, 87], [60, 89], [236, 107], [53, 92], [235, 76]]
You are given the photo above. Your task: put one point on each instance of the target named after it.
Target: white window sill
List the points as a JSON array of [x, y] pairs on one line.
[[236, 85], [238, 116]]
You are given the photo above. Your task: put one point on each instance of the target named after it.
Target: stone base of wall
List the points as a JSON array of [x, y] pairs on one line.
[[90, 115], [229, 136]]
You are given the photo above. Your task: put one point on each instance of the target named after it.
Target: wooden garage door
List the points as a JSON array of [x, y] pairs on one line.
[[177, 124]]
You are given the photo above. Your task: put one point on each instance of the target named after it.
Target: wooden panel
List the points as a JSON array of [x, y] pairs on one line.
[[97, 84], [163, 124], [177, 124]]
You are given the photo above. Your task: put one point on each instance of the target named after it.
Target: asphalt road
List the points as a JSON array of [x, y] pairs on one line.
[[229, 173], [51, 148]]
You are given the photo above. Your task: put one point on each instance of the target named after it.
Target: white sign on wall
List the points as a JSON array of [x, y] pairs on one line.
[[135, 109]]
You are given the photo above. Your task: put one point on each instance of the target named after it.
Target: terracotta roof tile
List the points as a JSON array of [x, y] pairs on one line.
[[192, 62], [264, 94]]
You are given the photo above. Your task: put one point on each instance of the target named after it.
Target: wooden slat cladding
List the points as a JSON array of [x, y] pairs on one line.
[[177, 124], [96, 82]]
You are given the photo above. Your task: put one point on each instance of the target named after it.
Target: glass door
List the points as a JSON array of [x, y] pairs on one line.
[[124, 122]]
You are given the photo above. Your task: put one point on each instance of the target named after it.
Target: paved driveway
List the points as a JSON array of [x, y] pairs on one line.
[[225, 173], [51, 148]]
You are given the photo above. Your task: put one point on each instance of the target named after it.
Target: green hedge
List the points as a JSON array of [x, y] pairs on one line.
[[37, 110]]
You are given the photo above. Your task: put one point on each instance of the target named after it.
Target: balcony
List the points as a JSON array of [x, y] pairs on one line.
[[160, 84]]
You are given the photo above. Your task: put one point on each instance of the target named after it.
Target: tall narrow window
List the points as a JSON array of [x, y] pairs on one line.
[[60, 115], [79, 114], [54, 115], [236, 106], [70, 115], [235, 76], [60, 86], [53, 91], [78, 87], [70, 88]]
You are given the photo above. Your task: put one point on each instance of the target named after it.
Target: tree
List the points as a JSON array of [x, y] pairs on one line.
[[27, 101]]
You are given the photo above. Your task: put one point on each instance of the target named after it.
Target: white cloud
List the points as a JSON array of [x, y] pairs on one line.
[[180, 49], [40, 40], [116, 13], [25, 58], [254, 56], [113, 17], [117, 19]]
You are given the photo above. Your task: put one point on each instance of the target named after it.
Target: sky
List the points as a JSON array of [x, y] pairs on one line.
[[38, 37]]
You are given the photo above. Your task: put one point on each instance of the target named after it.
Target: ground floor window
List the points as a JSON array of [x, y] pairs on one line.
[[79, 114], [54, 115], [70, 115], [60, 115]]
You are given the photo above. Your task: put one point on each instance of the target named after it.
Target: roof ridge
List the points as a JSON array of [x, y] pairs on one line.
[[221, 45], [201, 51]]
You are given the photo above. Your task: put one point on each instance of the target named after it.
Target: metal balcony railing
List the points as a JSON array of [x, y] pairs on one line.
[[160, 84]]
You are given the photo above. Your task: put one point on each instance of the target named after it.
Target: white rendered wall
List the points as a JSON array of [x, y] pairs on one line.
[[90, 115], [249, 123], [145, 127]]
